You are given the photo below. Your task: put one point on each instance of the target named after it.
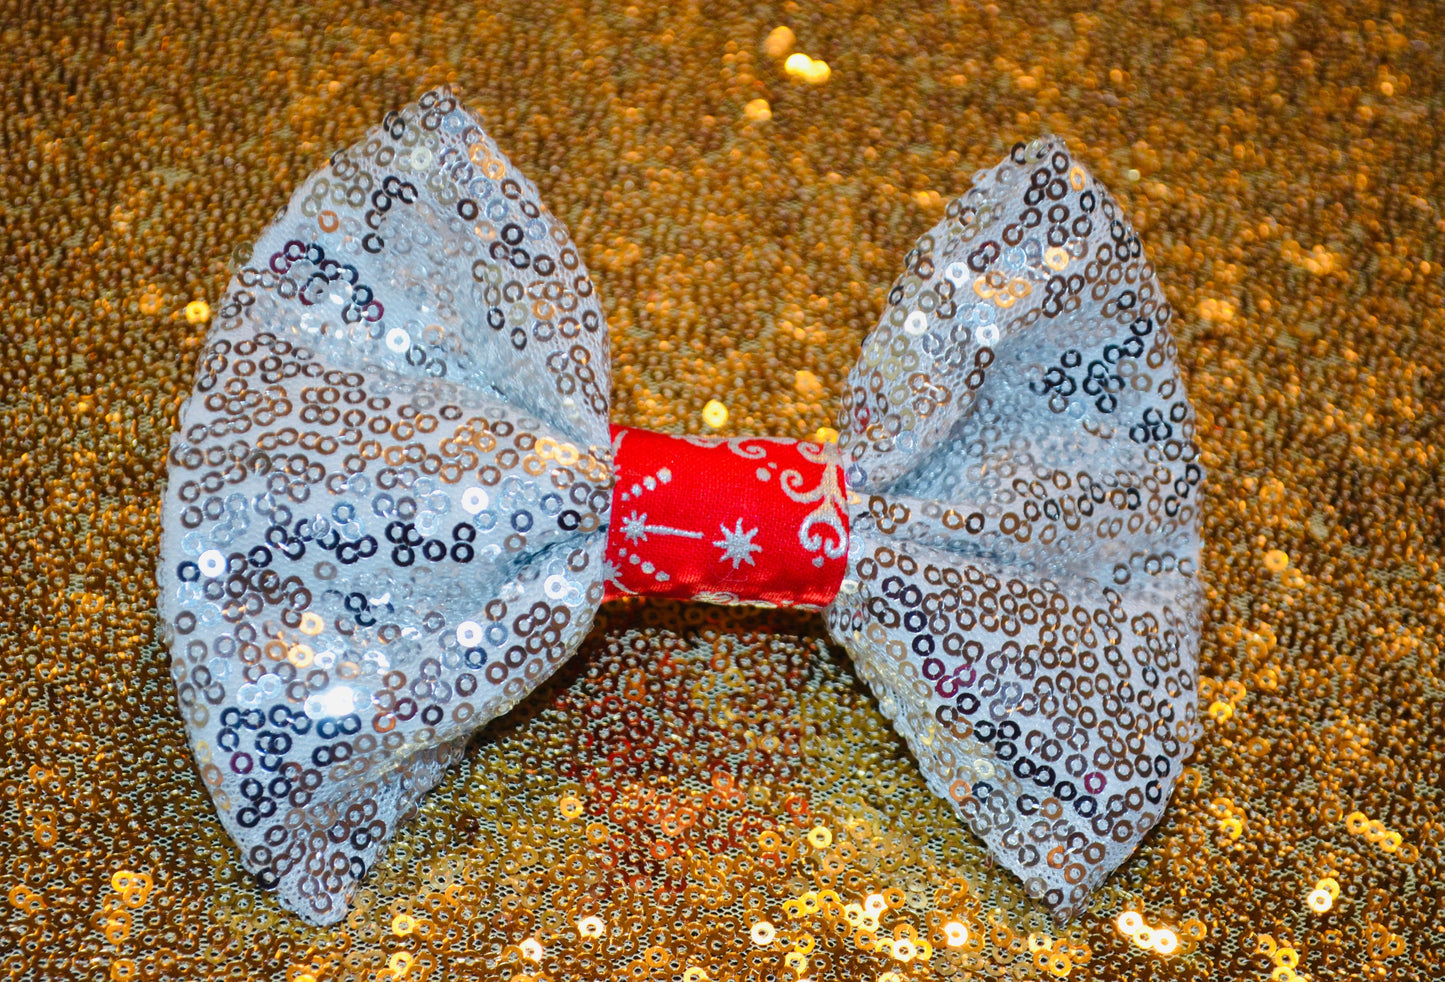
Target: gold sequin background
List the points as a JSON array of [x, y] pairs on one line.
[[709, 793]]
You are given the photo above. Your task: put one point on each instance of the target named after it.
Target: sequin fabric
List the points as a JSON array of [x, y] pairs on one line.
[[388, 502], [705, 791], [1023, 592]]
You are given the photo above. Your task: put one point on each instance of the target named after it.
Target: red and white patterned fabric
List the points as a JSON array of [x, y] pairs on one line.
[[756, 520]]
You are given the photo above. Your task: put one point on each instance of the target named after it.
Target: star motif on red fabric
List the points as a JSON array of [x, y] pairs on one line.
[[737, 545], [635, 529]]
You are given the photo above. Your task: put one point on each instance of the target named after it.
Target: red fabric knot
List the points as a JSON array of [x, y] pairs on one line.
[[751, 520]]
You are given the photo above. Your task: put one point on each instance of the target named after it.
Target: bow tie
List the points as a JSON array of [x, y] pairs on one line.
[[396, 500]]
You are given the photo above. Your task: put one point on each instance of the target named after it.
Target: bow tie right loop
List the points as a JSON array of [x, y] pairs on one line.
[[1025, 601]]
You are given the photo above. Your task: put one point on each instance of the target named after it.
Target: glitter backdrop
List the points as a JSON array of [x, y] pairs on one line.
[[709, 793]]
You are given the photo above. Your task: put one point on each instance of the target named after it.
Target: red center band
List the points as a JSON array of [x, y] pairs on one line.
[[753, 520]]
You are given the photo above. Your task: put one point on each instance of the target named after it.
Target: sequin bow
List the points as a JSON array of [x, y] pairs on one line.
[[395, 503]]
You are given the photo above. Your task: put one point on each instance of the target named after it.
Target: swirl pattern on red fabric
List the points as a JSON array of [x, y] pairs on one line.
[[750, 520]]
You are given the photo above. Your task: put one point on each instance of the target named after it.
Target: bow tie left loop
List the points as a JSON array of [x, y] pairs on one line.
[[388, 497]]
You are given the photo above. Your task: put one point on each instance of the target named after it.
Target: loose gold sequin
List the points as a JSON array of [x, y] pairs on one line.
[[806, 69], [779, 42], [715, 414]]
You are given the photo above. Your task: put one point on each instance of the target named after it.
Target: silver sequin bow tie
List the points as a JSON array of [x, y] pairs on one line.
[[390, 497]]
